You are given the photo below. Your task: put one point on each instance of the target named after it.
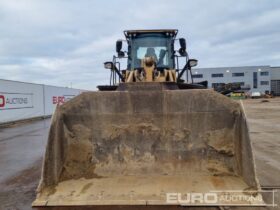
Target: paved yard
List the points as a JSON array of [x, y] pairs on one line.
[[22, 148]]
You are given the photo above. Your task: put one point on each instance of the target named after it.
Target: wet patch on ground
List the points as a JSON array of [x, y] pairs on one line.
[[19, 191]]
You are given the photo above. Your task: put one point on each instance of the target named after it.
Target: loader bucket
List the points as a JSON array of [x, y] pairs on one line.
[[148, 146]]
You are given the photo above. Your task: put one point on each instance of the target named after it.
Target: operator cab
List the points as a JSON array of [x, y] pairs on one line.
[[151, 57], [158, 44]]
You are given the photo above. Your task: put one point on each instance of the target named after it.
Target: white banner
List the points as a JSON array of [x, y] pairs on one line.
[[16, 100], [20, 100], [57, 96]]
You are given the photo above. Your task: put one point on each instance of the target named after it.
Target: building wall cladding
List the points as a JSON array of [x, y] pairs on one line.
[[21, 101], [275, 80], [258, 78], [275, 73]]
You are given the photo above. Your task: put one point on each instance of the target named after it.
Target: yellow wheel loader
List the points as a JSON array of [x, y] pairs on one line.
[[151, 137]]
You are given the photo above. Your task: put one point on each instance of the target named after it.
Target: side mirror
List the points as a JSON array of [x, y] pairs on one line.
[[192, 63], [183, 46], [108, 65], [118, 46]]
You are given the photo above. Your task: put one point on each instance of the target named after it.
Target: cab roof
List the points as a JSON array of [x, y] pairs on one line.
[[127, 33]]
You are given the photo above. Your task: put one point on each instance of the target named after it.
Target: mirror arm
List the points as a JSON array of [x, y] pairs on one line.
[[191, 74], [183, 71], [185, 67], [118, 72], [114, 68]]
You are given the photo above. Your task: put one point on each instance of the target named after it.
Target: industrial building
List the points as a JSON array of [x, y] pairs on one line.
[[275, 80], [263, 79]]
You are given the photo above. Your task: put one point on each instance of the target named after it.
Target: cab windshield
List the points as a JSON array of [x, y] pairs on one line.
[[157, 46]]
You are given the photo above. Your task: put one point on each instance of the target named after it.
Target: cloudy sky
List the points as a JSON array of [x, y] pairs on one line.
[[67, 41]]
